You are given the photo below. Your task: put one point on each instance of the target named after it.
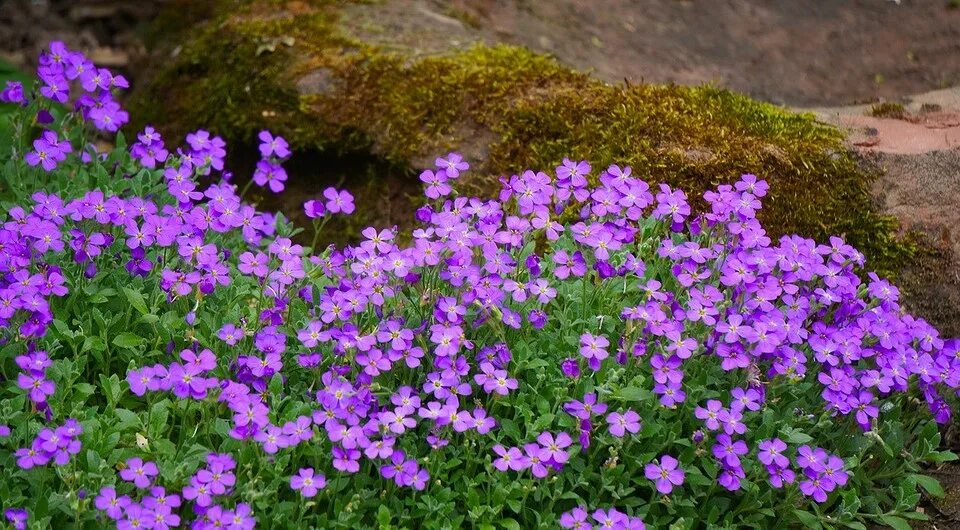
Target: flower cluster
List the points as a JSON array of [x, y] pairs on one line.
[[55, 445], [335, 202], [13, 93], [59, 67], [48, 151], [269, 172], [184, 379], [581, 519], [17, 517], [823, 472], [149, 149], [33, 379]]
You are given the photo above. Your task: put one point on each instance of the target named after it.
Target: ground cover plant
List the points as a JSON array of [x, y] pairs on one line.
[[586, 350]]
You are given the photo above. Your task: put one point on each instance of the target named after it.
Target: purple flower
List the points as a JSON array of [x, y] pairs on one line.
[[537, 465], [711, 414], [593, 348], [816, 486], [17, 517], [620, 424], [510, 458], [452, 165], [272, 439], [271, 145], [568, 264], [109, 503], [748, 399], [833, 471], [575, 518], [771, 453], [811, 458], [665, 473], [554, 448], [482, 422], [314, 209], [38, 386], [48, 151], [570, 368], [780, 476], [306, 483], [139, 472], [338, 201], [13, 93], [436, 184], [585, 409], [270, 174], [729, 451]]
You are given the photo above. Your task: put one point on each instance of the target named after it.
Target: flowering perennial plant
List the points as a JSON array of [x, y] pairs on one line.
[[583, 351]]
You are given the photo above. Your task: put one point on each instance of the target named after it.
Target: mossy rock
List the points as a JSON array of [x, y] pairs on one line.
[[297, 69]]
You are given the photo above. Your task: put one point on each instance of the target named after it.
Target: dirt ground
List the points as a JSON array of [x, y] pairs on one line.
[[782, 51], [107, 30]]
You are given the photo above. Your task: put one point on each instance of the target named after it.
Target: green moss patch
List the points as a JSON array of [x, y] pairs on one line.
[[889, 110], [290, 67]]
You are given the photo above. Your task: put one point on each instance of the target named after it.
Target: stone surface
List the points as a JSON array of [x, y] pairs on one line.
[[918, 154], [783, 51]]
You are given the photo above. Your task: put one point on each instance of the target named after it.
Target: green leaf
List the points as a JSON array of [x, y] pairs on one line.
[[127, 340], [383, 515], [62, 328], [93, 343], [942, 456], [930, 484], [543, 421], [808, 519], [856, 525], [136, 300], [93, 460], [510, 524], [794, 436], [128, 419], [632, 393], [276, 384], [895, 522], [158, 417], [111, 387], [149, 318], [509, 427]]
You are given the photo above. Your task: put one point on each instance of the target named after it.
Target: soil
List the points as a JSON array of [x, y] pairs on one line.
[[782, 51], [106, 30]]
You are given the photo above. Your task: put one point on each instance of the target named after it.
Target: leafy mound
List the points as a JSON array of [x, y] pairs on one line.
[[583, 350]]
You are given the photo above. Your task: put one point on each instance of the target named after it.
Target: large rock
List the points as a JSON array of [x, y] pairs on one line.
[[405, 86]]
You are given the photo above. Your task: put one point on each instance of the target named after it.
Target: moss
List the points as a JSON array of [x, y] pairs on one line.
[[888, 110], [238, 72]]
